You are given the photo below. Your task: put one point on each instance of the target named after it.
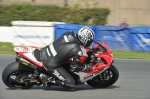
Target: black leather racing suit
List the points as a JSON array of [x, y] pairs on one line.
[[56, 53]]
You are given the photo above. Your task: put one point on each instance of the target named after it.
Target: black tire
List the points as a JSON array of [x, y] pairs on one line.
[[15, 69], [105, 79]]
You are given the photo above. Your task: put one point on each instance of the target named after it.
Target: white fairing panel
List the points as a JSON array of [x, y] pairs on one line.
[[87, 76], [31, 56], [28, 52]]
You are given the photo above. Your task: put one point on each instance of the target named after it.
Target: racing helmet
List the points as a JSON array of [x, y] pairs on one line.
[[85, 36]]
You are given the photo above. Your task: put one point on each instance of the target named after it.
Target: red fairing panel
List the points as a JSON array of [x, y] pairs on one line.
[[107, 56], [27, 53]]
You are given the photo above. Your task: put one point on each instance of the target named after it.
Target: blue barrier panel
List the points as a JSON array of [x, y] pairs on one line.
[[117, 37], [62, 28], [140, 38]]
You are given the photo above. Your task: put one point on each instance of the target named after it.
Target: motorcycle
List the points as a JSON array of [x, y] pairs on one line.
[[25, 72]]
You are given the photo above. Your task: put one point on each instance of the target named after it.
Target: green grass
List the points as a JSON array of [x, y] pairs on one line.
[[7, 48], [131, 54]]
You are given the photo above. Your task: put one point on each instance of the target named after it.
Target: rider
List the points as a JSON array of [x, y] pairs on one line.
[[65, 47]]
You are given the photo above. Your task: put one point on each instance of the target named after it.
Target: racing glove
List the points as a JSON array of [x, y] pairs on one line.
[[84, 67], [76, 66]]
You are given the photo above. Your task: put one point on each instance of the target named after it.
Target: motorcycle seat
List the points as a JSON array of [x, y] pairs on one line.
[[37, 55]]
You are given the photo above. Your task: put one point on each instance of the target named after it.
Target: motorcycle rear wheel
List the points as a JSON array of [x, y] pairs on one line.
[[13, 74], [105, 79]]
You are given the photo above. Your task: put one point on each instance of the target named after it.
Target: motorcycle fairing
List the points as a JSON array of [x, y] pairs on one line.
[[27, 53], [100, 66], [85, 76], [107, 56]]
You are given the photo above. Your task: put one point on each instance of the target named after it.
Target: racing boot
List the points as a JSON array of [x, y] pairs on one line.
[[46, 80]]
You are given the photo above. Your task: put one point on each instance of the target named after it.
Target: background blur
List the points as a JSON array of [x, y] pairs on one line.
[[135, 12], [122, 24]]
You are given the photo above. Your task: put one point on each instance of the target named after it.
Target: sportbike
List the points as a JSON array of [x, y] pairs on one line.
[[25, 72]]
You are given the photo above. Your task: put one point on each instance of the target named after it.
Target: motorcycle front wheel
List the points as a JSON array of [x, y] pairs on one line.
[[14, 74], [105, 79]]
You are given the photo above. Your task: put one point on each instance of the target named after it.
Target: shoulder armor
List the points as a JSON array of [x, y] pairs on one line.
[[71, 37], [80, 53]]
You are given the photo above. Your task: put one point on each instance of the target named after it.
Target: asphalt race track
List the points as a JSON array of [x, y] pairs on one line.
[[133, 83]]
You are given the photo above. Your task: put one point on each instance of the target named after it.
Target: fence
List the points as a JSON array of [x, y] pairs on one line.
[[117, 37], [140, 38]]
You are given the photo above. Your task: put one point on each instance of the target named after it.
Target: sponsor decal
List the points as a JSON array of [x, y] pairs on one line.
[[58, 75], [32, 36], [117, 38], [23, 49], [92, 75], [144, 42]]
